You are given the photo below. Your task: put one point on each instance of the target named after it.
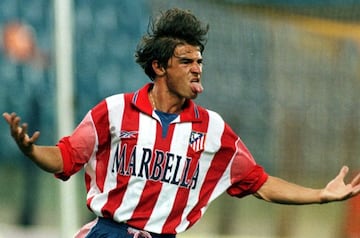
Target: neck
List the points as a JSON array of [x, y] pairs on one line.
[[162, 101]]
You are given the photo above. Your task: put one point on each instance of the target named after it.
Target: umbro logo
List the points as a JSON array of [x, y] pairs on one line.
[[128, 134]]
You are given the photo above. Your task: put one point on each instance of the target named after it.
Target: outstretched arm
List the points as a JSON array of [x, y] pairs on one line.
[[280, 191], [46, 157]]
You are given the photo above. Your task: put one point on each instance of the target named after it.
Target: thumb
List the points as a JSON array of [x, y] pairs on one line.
[[343, 172]]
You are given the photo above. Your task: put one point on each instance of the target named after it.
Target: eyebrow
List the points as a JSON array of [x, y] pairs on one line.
[[187, 59]]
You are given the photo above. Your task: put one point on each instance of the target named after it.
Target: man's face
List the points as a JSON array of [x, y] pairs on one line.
[[184, 72]]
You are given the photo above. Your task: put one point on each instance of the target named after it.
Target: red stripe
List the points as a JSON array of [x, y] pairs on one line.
[[178, 208], [87, 184], [182, 195], [130, 122], [101, 121], [152, 189], [100, 118], [216, 170]]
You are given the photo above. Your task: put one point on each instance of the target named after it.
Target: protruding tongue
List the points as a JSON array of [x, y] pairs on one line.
[[196, 87]]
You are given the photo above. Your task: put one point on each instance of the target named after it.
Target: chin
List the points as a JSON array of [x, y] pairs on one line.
[[193, 96]]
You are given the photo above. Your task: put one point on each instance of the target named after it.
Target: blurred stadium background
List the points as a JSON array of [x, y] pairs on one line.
[[284, 74]]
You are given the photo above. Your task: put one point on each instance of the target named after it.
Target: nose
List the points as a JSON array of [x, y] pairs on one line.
[[196, 68]]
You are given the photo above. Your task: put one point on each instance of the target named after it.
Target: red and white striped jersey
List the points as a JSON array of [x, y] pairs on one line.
[[161, 183]]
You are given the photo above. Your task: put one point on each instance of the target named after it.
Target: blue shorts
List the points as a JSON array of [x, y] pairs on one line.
[[107, 228]]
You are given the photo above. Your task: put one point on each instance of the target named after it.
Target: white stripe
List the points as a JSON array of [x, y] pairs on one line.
[[89, 167], [164, 204], [115, 105], [212, 144], [146, 138], [225, 181]]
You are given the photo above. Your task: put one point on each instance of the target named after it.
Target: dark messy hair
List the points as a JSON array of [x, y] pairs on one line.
[[172, 28]]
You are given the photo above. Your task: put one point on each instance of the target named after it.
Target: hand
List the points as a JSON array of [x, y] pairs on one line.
[[19, 133], [337, 190]]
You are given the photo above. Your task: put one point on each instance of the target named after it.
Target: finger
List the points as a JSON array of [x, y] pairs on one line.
[[356, 190], [35, 137], [24, 129], [14, 123], [343, 172], [356, 180], [19, 130], [7, 117]]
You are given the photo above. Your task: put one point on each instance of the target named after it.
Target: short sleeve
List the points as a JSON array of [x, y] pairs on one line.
[[77, 149], [250, 183], [246, 175]]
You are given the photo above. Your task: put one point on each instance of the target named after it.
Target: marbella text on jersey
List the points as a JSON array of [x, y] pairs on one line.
[[155, 165]]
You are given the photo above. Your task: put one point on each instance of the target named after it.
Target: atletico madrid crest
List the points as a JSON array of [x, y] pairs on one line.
[[197, 141]]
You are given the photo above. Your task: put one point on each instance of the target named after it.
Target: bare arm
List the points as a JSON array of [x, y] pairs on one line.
[[46, 157], [280, 191]]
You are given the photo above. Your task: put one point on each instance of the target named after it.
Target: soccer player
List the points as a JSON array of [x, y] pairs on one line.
[[153, 159]]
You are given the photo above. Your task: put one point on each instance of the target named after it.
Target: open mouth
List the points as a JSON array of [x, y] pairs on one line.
[[196, 86]]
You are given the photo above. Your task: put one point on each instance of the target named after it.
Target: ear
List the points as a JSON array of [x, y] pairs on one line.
[[158, 69]]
